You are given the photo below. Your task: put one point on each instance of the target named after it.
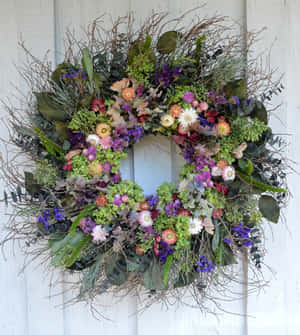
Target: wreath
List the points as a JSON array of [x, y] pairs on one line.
[[189, 84]]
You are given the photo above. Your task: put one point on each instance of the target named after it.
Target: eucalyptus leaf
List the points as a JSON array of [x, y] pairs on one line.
[[154, 277], [269, 208], [50, 110]]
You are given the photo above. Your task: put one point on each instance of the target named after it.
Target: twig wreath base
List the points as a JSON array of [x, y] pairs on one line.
[[117, 86]]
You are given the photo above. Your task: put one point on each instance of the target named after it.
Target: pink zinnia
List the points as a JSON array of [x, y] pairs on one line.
[[105, 143]]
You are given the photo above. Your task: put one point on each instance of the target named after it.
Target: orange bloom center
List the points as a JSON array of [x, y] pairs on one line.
[[128, 94]]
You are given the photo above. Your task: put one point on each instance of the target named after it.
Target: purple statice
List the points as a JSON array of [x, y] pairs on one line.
[[90, 153], [204, 265], [149, 233], [173, 208], [116, 178], [106, 167], [188, 154], [152, 201], [164, 251], [77, 140], [139, 91], [43, 219], [136, 133], [126, 107], [227, 241], [203, 176], [242, 232], [73, 74], [237, 100], [200, 162], [87, 224], [188, 97], [117, 200], [167, 76], [217, 98], [120, 139], [58, 214]]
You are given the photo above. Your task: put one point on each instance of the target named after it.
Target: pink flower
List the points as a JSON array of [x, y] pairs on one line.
[[145, 219], [99, 234], [105, 143]]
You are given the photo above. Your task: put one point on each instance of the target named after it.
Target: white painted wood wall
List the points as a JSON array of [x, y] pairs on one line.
[[24, 306]]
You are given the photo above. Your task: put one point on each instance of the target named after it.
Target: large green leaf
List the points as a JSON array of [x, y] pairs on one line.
[[236, 88], [185, 279], [154, 277], [260, 113], [116, 269], [87, 63], [167, 268], [269, 208], [50, 110], [167, 42]]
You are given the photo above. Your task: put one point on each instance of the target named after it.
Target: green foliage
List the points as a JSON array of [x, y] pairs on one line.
[[80, 163], [260, 185], [50, 146], [87, 63], [45, 174], [165, 192], [65, 249], [247, 129], [167, 42], [87, 211], [141, 68], [224, 255], [214, 197], [31, 185], [175, 94], [86, 121], [167, 268], [154, 276], [116, 269], [236, 88], [135, 195], [49, 108], [269, 208]]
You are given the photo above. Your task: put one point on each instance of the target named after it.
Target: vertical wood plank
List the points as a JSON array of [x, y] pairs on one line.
[[184, 320], [76, 15], [276, 309], [25, 308]]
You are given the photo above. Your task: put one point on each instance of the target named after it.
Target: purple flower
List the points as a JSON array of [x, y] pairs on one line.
[[227, 241], [188, 97], [203, 176], [152, 201], [164, 251], [139, 91], [77, 140], [117, 200], [58, 213], [124, 198], [87, 225], [167, 76], [116, 178], [136, 133], [106, 166], [126, 107], [242, 233], [204, 265]]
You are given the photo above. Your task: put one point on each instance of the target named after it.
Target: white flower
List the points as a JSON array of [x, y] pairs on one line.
[[228, 173], [195, 226], [99, 234], [208, 225], [216, 171], [93, 139], [145, 219], [188, 117], [183, 185]]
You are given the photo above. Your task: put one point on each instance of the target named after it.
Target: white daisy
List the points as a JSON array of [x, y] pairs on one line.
[[195, 226], [93, 139], [99, 234], [188, 117], [228, 173], [145, 219]]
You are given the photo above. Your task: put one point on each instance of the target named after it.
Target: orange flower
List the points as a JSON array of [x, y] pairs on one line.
[[139, 250], [222, 163], [95, 168], [223, 128], [169, 236], [101, 200], [144, 206], [128, 94], [103, 130], [175, 110]]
